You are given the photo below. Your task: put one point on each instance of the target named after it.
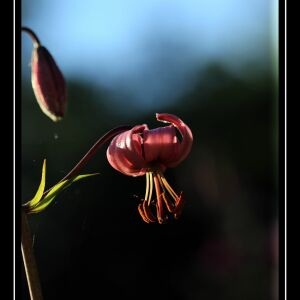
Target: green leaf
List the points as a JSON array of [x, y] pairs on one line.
[[57, 189], [39, 194], [41, 206]]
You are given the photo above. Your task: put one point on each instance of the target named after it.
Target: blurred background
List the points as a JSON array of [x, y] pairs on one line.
[[212, 63]]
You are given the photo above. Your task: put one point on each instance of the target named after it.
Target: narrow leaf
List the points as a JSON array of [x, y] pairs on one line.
[[56, 190], [41, 188], [42, 205]]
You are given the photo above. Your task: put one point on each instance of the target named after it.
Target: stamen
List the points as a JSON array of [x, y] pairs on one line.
[[148, 212], [145, 219], [168, 187], [163, 190], [147, 186], [179, 206], [161, 183], [159, 206], [151, 187], [170, 206]]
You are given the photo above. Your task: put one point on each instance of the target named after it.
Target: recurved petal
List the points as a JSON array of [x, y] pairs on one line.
[[125, 152], [187, 137]]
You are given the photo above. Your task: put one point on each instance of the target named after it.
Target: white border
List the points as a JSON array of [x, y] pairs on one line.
[[14, 153]]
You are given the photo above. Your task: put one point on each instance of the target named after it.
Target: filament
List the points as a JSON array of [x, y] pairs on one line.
[[147, 186], [159, 208], [168, 187], [151, 187]]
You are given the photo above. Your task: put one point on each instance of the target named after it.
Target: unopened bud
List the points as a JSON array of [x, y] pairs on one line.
[[48, 84], [47, 80]]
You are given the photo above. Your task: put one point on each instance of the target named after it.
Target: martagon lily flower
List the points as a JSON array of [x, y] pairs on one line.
[[141, 151]]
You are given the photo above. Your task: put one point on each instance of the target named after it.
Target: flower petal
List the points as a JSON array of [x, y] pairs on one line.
[[187, 137], [125, 152], [161, 144]]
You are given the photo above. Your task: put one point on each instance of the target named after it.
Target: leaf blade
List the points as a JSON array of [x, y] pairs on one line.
[[56, 190], [39, 194]]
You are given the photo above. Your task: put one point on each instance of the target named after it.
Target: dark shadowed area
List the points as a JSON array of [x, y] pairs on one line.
[[92, 244]]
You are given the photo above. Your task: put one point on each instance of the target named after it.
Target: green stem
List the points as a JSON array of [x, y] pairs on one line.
[[29, 260]]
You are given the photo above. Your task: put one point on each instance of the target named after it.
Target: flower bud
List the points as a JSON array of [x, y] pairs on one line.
[[48, 84]]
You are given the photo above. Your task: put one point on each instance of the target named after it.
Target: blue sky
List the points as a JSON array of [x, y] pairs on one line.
[[150, 46]]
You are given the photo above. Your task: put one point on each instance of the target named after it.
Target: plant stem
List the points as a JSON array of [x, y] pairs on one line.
[[35, 39], [105, 138], [29, 260]]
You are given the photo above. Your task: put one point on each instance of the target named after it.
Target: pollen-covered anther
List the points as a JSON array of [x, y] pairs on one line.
[[179, 205], [142, 213], [148, 212]]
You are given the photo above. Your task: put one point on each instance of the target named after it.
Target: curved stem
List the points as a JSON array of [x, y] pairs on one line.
[[105, 138], [35, 39], [29, 261]]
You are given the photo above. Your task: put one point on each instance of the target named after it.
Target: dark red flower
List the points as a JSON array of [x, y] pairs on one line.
[[141, 151]]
